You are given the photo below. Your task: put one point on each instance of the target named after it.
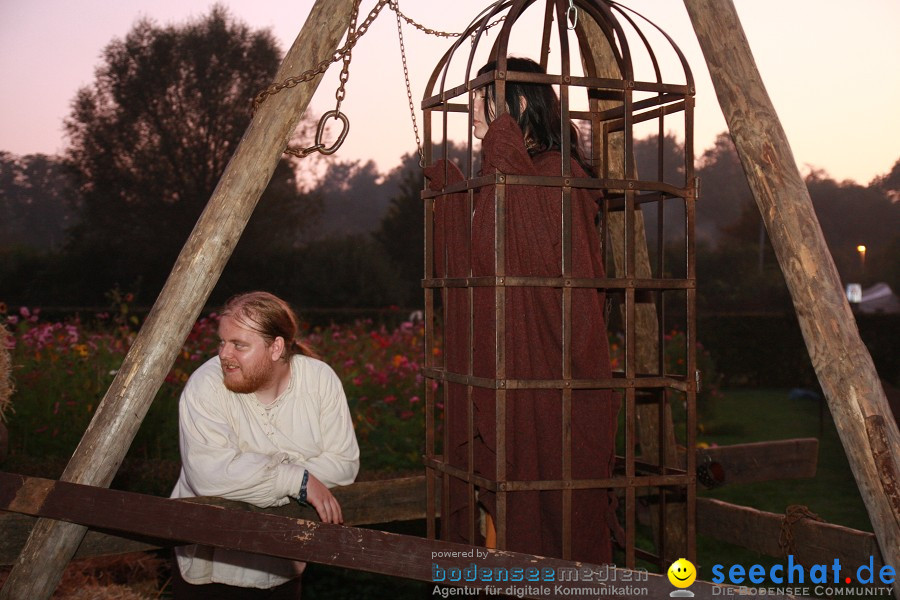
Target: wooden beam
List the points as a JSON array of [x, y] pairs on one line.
[[650, 429], [337, 545], [842, 363], [813, 542], [391, 500], [403, 499], [764, 461], [17, 527], [365, 503], [197, 269]]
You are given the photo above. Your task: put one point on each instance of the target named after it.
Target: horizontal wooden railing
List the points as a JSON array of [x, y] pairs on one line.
[[125, 522]]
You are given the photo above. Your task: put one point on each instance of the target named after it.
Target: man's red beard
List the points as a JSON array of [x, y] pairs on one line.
[[247, 380]]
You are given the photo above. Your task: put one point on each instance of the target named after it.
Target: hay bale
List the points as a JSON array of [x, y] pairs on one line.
[[133, 576]]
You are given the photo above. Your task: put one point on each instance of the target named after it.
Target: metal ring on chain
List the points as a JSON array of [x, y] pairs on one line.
[[340, 139], [572, 21], [354, 33]]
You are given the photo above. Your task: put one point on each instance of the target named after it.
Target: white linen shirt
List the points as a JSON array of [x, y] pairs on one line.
[[235, 447]]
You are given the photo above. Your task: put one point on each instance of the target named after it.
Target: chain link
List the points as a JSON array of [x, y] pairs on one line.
[[571, 16], [323, 65], [793, 514], [345, 69], [396, 8], [345, 54], [412, 107]]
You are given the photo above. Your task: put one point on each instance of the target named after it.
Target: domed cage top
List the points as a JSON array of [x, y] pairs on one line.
[[607, 65]]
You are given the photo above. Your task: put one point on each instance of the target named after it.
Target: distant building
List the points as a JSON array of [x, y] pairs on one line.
[[879, 299]]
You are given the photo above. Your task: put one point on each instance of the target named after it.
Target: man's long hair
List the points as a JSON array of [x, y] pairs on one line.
[[270, 317]]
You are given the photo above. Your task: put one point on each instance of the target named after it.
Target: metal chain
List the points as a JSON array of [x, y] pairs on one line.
[[345, 70], [396, 8], [339, 96], [344, 53], [412, 107], [323, 65], [794, 513]]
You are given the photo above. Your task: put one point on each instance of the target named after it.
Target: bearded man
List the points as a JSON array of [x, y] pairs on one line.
[[263, 422]]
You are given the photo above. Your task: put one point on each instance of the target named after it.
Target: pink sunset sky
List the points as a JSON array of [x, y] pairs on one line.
[[831, 68]]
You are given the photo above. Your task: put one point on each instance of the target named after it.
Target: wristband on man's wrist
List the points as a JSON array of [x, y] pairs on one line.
[[301, 497]]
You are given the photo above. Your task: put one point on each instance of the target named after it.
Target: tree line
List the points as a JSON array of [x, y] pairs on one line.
[[150, 137]]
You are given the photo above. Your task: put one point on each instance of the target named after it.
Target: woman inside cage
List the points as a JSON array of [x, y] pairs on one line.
[[526, 140]]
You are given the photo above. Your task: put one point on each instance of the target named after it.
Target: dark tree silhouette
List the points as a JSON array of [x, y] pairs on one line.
[[153, 134], [890, 183], [37, 202], [355, 198], [724, 192], [852, 215], [402, 233]]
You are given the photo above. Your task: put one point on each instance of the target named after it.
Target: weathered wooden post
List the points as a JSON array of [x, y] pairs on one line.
[[646, 351], [52, 543], [842, 363]]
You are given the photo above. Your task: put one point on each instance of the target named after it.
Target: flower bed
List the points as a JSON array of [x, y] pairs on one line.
[[63, 368]]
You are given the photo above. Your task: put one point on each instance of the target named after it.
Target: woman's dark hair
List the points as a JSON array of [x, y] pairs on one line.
[[540, 121]]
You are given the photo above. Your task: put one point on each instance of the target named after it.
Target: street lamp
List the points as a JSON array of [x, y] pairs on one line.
[[862, 258]]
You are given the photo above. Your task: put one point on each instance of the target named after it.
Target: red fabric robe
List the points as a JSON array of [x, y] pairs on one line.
[[533, 346]]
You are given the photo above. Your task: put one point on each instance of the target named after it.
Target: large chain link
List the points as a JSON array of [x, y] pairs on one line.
[[339, 94], [345, 54], [571, 16]]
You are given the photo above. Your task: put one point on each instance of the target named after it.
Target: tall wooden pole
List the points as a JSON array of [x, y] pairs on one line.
[[675, 542], [51, 545], [841, 361]]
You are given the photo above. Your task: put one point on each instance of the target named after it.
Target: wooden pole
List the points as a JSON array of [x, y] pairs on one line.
[[51, 545], [646, 351], [841, 361]]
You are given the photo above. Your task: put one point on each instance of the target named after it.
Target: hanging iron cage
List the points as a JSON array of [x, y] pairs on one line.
[[607, 65]]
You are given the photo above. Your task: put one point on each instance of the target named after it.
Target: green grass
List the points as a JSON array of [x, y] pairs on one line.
[[761, 415], [740, 416]]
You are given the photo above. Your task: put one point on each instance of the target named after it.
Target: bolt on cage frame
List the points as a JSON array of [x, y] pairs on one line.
[[651, 297]]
